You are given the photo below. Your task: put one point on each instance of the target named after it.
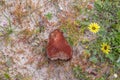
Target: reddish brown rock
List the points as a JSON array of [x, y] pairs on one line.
[[58, 47]]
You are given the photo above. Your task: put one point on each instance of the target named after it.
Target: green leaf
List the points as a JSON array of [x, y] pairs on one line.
[[98, 5], [49, 16], [118, 65], [111, 57], [87, 52], [118, 14], [70, 41], [7, 76], [102, 78], [9, 30], [95, 52], [93, 59], [118, 61]]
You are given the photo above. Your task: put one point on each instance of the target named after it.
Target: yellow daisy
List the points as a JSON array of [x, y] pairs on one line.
[[105, 48], [94, 27]]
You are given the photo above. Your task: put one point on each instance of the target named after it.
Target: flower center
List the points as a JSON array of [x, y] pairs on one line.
[[105, 47], [93, 28]]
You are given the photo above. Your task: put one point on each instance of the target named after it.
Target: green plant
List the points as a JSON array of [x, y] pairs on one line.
[[107, 14], [7, 76], [6, 31], [79, 73], [102, 78], [49, 16]]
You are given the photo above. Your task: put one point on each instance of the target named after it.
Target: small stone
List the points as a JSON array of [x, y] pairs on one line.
[[58, 47], [115, 75]]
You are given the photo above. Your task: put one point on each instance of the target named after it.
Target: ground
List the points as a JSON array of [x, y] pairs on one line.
[[26, 25]]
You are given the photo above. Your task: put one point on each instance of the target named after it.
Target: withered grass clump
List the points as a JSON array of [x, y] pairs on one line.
[[72, 30]]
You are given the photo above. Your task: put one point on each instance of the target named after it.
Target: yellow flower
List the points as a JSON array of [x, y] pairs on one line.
[[105, 48], [94, 27]]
